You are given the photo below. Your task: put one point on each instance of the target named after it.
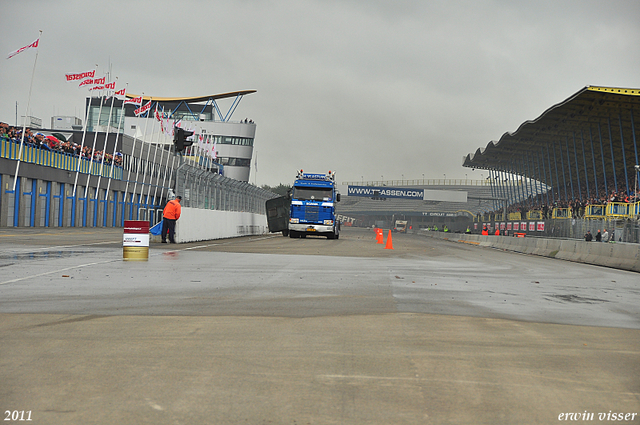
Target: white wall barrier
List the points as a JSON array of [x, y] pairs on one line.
[[625, 256], [197, 224]]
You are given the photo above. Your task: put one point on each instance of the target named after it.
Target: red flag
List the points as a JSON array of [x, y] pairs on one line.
[[22, 49]]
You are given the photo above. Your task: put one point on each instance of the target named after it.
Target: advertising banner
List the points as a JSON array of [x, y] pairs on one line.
[[385, 192]]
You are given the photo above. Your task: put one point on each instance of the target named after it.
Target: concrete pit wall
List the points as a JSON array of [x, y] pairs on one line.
[[625, 256]]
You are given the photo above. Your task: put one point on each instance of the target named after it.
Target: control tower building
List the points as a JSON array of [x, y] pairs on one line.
[[233, 138]]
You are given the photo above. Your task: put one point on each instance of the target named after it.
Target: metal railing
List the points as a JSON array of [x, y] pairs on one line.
[[561, 213], [57, 159], [514, 216]]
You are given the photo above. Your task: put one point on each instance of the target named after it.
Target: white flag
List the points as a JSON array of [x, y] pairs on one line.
[[82, 76], [22, 49], [143, 109], [135, 101]]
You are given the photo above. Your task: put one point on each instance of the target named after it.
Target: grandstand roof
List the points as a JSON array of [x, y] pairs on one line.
[[194, 99], [584, 119]]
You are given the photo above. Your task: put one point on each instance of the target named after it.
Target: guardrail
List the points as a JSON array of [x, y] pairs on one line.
[[61, 160], [612, 210]]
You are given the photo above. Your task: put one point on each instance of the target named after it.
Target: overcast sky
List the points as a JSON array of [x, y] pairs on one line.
[[368, 88]]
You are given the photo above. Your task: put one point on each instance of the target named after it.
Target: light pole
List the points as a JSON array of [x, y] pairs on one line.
[[637, 167]]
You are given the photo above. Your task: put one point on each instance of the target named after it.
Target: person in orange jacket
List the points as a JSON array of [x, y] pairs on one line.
[[485, 231], [170, 215], [497, 231]]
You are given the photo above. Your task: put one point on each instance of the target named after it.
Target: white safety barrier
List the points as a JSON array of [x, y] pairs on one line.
[[197, 224], [625, 256]]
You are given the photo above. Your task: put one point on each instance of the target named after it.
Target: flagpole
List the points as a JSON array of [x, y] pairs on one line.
[[173, 163], [133, 151], [144, 136], [115, 146], [104, 145], [155, 190], [24, 126], [166, 168], [84, 136], [155, 155], [150, 169], [93, 148]]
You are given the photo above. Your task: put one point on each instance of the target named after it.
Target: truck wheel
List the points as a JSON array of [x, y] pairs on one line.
[[294, 234]]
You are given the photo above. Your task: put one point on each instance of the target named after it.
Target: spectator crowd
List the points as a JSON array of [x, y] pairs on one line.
[[57, 144], [578, 206]]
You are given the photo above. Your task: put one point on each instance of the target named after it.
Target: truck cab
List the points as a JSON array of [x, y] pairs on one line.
[[313, 212], [401, 226]]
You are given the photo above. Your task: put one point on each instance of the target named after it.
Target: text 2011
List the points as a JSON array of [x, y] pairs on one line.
[[17, 415]]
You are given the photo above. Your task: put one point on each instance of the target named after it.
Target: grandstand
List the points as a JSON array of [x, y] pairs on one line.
[[584, 152]]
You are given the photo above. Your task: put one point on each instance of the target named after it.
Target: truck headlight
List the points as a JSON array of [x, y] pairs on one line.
[[294, 220], [328, 222]]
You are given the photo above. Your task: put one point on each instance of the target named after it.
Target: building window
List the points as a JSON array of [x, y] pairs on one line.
[[226, 140], [234, 162]]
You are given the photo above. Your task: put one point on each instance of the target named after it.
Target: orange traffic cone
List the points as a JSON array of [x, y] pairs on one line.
[[389, 244], [379, 236]]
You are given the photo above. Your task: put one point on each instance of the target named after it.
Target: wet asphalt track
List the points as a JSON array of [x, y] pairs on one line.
[[276, 330], [277, 276]]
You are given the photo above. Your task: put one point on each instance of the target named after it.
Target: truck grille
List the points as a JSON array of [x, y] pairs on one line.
[[312, 213]]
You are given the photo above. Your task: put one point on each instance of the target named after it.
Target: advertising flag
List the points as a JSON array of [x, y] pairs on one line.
[[143, 109], [87, 82], [82, 76], [135, 101], [121, 92], [22, 49]]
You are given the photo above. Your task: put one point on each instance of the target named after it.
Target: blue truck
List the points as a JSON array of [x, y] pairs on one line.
[[313, 206], [307, 209]]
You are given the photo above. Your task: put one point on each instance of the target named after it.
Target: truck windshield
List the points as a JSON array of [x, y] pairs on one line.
[[312, 193]]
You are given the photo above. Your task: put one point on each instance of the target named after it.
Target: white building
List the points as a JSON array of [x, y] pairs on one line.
[[233, 139]]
